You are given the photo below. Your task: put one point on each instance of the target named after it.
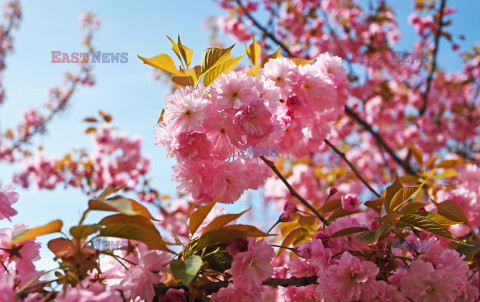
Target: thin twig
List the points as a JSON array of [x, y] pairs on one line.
[[438, 34], [292, 190], [352, 167], [406, 166], [263, 29]]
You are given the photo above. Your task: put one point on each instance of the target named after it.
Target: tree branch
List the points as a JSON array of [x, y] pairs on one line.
[[379, 140], [438, 33], [352, 167], [292, 190], [263, 29]]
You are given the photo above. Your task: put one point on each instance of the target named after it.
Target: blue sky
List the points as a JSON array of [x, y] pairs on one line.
[[124, 90]]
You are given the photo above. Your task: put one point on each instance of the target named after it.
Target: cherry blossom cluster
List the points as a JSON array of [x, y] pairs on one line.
[[286, 106], [116, 160]]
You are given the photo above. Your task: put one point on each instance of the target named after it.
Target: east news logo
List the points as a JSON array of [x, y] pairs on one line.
[[85, 57]]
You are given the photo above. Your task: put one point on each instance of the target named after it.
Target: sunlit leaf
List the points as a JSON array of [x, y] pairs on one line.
[[213, 56], [340, 213], [253, 52], [348, 231], [291, 237], [274, 55], [120, 204], [440, 219], [416, 153], [28, 234], [300, 62], [80, 232], [162, 61], [421, 222], [390, 192], [199, 216], [220, 68], [185, 52], [451, 163], [229, 233], [223, 220]]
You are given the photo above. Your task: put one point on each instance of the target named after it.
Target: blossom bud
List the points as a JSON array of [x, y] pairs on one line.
[[333, 191], [350, 202]]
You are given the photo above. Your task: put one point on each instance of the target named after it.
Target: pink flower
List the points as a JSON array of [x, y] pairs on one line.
[[231, 293], [283, 72], [139, 279], [8, 196], [174, 295], [192, 146], [229, 181], [423, 283], [233, 90], [7, 291], [350, 202], [250, 268], [89, 292], [350, 277], [185, 109], [238, 245]]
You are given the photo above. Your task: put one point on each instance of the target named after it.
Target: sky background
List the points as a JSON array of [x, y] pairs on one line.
[[126, 90]]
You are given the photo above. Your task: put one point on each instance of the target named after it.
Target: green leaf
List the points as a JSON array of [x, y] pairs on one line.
[[28, 234], [199, 216], [348, 231], [229, 233], [120, 204], [213, 56], [368, 237], [380, 231], [421, 222], [469, 250], [186, 270], [220, 68], [223, 220], [452, 211], [440, 219], [162, 61]]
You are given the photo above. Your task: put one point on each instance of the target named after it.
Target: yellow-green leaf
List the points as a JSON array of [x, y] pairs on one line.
[[309, 222], [135, 228], [421, 222], [332, 205], [162, 61], [229, 233], [186, 270], [213, 56], [120, 204], [452, 211], [80, 232], [199, 216], [390, 192], [253, 51], [300, 62], [223, 220], [291, 237], [175, 48], [440, 219], [401, 196], [340, 213], [376, 204], [185, 52], [274, 55], [451, 163], [220, 68], [411, 208], [28, 234], [368, 236], [348, 231], [380, 231], [416, 153], [448, 173]]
